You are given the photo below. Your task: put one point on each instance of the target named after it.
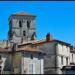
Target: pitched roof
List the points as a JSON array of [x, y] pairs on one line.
[[4, 50], [44, 41], [28, 49], [22, 14], [62, 42]]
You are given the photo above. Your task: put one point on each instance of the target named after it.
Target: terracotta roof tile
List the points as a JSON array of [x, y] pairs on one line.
[[4, 50], [44, 41], [29, 48], [23, 14]]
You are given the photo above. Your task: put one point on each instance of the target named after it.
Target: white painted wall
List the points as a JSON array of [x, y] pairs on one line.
[[63, 51], [42, 66], [72, 57], [37, 62]]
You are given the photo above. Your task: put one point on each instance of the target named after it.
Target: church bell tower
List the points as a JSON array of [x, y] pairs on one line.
[[21, 27]]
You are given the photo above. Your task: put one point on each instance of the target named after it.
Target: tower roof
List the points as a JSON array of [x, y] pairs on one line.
[[22, 14]]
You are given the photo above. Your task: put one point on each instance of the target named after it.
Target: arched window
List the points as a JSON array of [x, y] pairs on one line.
[[24, 33], [20, 24], [28, 24]]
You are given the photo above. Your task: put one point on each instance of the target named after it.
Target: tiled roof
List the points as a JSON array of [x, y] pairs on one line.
[[62, 42], [4, 50], [44, 41], [23, 14], [29, 49]]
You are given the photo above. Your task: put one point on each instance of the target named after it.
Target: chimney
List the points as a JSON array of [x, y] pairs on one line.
[[48, 37]]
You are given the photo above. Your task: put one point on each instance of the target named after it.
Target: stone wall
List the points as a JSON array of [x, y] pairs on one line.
[[50, 57], [18, 31], [6, 62]]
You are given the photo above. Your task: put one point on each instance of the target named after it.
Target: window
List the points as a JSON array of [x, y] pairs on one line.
[[62, 60], [30, 68], [31, 56], [0, 57], [24, 33], [20, 24], [0, 69], [72, 57], [28, 24], [66, 61]]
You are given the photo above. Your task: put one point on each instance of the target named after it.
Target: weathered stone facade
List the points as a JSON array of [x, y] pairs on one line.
[[16, 60], [21, 28], [57, 55]]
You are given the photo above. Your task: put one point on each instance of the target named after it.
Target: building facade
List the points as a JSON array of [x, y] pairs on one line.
[[17, 58], [72, 56], [57, 55], [25, 60]]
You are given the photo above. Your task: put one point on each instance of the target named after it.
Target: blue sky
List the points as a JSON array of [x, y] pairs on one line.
[[56, 17]]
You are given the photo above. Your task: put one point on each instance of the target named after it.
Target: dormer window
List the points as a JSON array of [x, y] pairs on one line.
[[20, 24], [28, 24]]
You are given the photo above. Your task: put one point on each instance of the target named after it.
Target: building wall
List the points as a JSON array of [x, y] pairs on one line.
[[54, 51], [37, 62], [63, 53], [6, 63], [72, 57], [49, 58], [16, 62]]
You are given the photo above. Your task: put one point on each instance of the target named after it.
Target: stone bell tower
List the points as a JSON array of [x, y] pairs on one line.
[[21, 27]]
